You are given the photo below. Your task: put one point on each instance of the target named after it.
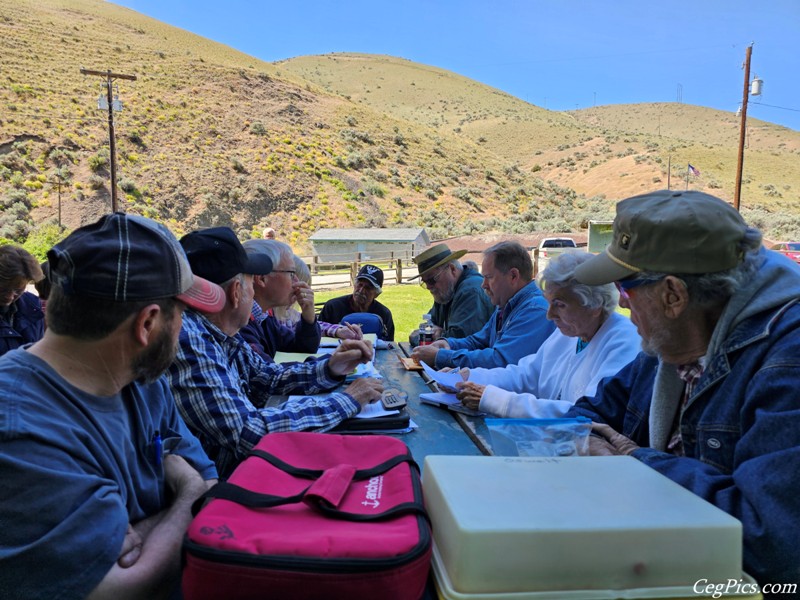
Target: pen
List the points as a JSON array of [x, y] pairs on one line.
[[157, 449]]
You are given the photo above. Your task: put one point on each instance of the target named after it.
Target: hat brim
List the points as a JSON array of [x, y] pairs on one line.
[[258, 264], [602, 269], [371, 280], [204, 296], [449, 258]]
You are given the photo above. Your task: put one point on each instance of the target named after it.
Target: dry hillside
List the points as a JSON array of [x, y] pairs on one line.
[[211, 136], [613, 151]]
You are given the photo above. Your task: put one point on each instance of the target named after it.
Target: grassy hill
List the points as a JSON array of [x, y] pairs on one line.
[[211, 136], [613, 151]]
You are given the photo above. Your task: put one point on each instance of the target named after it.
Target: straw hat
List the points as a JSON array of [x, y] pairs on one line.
[[434, 257]]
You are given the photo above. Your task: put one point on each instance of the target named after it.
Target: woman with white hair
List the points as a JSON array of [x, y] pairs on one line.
[[591, 341]]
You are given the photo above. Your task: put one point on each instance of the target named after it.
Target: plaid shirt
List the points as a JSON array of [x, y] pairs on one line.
[[221, 387]]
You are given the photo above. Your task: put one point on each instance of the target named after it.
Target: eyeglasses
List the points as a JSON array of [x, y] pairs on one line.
[[16, 292], [292, 274], [431, 281]]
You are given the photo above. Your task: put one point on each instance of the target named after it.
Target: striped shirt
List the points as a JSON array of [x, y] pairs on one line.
[[222, 386]]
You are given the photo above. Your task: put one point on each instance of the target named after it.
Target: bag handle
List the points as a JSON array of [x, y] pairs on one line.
[[230, 491], [359, 474]]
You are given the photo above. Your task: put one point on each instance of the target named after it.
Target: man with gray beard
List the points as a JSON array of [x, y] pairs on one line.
[[460, 306], [712, 402]]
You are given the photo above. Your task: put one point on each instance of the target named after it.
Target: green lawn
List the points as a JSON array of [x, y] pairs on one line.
[[407, 302]]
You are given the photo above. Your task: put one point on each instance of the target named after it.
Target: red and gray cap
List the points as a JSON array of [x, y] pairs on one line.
[[126, 258]]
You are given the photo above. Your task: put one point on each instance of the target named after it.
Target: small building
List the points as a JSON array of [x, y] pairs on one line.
[[379, 245]]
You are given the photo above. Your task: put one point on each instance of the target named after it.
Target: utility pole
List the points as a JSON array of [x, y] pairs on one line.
[[59, 181], [110, 77], [737, 192], [669, 171]]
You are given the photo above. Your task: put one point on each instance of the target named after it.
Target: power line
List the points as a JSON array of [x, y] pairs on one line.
[[780, 107]]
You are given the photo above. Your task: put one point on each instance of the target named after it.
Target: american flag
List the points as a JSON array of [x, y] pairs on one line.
[[693, 171]]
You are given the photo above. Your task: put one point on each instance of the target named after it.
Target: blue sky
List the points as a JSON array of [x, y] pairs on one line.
[[558, 54]]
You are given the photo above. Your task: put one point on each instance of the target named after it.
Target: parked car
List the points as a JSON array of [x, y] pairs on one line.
[[790, 249], [549, 248]]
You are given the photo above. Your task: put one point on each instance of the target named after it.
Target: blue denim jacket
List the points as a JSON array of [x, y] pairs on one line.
[[740, 428]]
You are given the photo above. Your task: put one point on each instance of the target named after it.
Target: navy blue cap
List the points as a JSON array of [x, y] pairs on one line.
[[217, 254], [126, 258]]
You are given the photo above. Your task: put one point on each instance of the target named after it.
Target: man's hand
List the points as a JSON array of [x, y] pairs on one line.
[[350, 331], [610, 443], [426, 354], [437, 332], [365, 389], [470, 394], [349, 355], [131, 548], [304, 296]]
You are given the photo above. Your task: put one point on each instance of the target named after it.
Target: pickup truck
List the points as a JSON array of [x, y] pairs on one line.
[[550, 248]]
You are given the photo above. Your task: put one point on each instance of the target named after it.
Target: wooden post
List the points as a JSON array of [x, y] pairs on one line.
[[315, 265], [737, 190], [399, 270]]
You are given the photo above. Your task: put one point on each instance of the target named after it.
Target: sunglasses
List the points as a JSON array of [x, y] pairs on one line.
[[625, 287]]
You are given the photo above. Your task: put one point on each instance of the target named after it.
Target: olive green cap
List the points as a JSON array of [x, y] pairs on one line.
[[670, 232]]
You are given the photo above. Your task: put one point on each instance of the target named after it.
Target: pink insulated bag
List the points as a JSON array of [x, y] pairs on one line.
[[313, 515]]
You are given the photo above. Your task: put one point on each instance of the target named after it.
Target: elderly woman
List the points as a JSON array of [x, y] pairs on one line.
[[21, 316], [591, 341]]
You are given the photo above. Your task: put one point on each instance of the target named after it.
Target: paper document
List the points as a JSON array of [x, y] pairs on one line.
[[368, 411], [329, 342], [448, 401], [447, 379], [284, 357], [375, 409]]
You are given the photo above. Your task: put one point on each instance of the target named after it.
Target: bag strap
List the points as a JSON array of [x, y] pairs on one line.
[[230, 491], [359, 475]]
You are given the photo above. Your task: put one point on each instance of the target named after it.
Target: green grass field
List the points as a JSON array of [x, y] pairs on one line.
[[407, 302]]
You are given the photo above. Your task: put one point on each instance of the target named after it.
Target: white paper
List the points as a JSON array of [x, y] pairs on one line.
[[369, 411], [439, 398], [447, 379], [375, 409]]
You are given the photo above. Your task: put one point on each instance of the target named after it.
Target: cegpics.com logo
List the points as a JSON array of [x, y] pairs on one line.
[[740, 587]]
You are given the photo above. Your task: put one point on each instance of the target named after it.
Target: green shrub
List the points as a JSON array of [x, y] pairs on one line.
[[99, 161], [43, 237]]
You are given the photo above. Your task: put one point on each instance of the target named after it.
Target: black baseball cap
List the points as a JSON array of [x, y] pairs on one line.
[[372, 274], [126, 258], [217, 254]]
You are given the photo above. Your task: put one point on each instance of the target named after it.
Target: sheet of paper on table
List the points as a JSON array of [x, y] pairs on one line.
[[448, 401], [329, 342], [369, 411], [447, 379], [284, 357]]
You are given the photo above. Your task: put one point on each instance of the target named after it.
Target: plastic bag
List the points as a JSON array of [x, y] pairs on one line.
[[540, 437]]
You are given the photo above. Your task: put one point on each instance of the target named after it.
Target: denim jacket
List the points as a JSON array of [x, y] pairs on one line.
[[741, 426]]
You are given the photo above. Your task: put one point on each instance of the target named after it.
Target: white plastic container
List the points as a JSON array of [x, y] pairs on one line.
[[518, 526]]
